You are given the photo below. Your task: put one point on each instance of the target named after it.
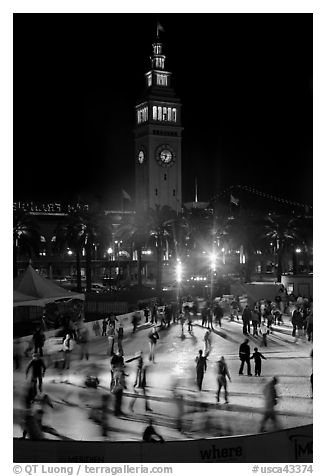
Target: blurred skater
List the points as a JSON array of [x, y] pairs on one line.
[[201, 367], [222, 373], [270, 396]]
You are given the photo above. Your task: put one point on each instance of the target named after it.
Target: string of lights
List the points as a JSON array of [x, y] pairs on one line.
[[260, 194]]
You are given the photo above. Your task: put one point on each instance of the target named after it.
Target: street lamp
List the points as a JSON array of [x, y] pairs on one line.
[[178, 273], [110, 251], [212, 257]]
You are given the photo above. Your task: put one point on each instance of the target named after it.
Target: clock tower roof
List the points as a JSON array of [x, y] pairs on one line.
[[158, 79]]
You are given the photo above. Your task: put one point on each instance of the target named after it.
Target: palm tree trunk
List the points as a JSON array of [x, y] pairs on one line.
[[88, 268], [248, 268], [295, 262], [279, 263], [78, 269], [159, 267], [139, 267], [15, 253]]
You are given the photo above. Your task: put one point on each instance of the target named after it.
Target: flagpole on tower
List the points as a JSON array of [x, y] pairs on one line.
[[159, 28]]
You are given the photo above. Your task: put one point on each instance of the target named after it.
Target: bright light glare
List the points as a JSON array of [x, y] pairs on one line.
[[213, 257], [110, 251], [178, 270], [69, 252], [298, 250]]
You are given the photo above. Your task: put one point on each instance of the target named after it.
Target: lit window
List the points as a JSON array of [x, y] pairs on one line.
[[174, 114], [155, 113], [43, 240], [159, 115], [169, 114], [149, 80], [165, 114], [161, 80]]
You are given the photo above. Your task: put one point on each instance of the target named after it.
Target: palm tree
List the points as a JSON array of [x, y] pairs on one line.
[[281, 231], [160, 222], [244, 231], [82, 231], [135, 233], [67, 234], [26, 236]]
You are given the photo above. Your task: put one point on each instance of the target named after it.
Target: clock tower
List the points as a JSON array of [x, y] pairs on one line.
[[158, 139]]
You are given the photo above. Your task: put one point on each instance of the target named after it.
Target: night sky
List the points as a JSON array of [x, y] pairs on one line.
[[245, 82]]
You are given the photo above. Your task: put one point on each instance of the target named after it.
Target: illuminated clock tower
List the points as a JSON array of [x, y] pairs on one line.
[[158, 139]]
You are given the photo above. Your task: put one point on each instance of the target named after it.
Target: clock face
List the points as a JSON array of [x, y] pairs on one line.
[[165, 155], [141, 156]]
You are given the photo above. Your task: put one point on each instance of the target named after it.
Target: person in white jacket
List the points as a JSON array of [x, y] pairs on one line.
[[67, 347]]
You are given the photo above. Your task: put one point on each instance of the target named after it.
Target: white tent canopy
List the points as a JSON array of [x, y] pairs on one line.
[[21, 299], [30, 289]]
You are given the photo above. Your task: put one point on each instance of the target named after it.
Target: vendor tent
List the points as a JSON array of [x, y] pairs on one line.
[[21, 299], [31, 284]]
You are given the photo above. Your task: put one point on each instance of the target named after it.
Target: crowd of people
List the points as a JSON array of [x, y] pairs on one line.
[[258, 319]]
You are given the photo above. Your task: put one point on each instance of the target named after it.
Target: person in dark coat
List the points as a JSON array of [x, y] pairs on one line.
[[257, 356], [209, 318], [104, 326], [120, 338], [218, 313], [38, 370], [201, 367], [38, 338], [153, 338], [150, 435], [154, 315], [310, 325], [270, 395], [295, 321], [244, 356], [204, 316], [246, 318]]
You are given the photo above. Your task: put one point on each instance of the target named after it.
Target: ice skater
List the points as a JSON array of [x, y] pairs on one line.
[[257, 356]]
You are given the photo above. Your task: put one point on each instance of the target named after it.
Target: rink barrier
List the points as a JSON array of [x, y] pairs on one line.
[[293, 445], [124, 319]]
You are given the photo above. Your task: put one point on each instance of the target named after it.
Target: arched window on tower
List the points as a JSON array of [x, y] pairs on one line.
[[159, 113], [155, 113], [174, 114]]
